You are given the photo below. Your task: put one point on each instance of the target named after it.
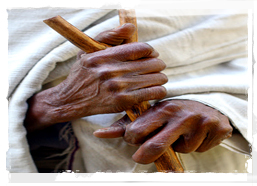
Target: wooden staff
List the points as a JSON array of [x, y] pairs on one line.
[[168, 162]]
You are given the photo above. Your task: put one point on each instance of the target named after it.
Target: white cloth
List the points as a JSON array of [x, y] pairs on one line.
[[206, 57]]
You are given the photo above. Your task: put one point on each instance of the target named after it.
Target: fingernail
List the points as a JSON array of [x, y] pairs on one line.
[[103, 130]]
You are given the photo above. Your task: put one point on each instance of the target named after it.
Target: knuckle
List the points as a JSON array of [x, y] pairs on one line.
[[104, 74], [132, 135], [172, 106], [222, 130], [131, 129], [212, 120], [92, 61], [226, 131], [124, 98], [139, 97], [114, 85], [120, 98], [184, 144]]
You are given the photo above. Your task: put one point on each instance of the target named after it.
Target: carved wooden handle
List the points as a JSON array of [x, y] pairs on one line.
[[168, 162]]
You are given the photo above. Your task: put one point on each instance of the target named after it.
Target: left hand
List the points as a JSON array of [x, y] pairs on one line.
[[101, 82], [186, 125]]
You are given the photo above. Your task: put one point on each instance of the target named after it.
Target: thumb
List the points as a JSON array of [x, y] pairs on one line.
[[117, 35], [116, 130]]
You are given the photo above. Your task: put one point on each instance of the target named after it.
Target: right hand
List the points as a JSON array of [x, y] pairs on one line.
[[186, 125], [107, 81]]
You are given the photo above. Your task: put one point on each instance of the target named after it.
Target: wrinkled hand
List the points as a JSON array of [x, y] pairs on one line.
[[186, 125], [112, 80], [107, 81]]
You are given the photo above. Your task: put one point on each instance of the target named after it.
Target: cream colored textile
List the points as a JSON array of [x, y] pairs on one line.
[[206, 57]]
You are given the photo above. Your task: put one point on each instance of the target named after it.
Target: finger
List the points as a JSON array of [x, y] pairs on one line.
[[132, 69], [147, 80], [144, 66], [188, 142], [150, 122], [117, 35], [116, 130], [79, 54], [147, 94], [214, 138], [209, 142], [154, 147], [130, 84], [122, 53]]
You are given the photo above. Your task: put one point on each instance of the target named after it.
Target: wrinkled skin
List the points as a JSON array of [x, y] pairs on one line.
[[115, 79], [186, 125], [107, 81]]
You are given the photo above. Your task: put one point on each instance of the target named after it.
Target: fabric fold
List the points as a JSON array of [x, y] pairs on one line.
[[205, 54]]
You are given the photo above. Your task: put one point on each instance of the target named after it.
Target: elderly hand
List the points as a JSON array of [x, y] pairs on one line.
[[186, 125], [107, 81]]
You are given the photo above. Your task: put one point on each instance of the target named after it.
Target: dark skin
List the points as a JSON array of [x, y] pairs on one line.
[[186, 125], [107, 81], [115, 79]]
